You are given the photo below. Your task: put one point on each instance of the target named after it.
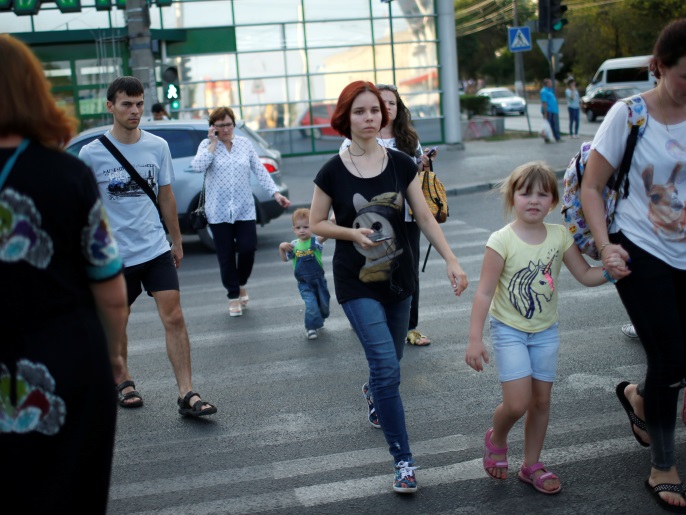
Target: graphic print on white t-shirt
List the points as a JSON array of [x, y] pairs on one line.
[[122, 185]]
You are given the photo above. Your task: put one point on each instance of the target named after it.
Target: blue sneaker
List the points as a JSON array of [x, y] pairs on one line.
[[373, 417], [405, 482]]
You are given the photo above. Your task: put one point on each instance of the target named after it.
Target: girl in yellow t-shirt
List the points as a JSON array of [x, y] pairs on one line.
[[518, 289]]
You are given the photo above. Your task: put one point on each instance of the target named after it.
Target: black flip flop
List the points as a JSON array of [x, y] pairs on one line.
[[666, 487], [633, 418], [123, 397]]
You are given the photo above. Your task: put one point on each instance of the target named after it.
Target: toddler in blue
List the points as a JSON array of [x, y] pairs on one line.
[[306, 253]]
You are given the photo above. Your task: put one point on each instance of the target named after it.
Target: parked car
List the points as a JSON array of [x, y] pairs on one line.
[[601, 100], [503, 101], [320, 121], [183, 138]]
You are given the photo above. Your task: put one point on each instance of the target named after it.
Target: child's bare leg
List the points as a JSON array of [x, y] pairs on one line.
[[516, 399], [536, 426]]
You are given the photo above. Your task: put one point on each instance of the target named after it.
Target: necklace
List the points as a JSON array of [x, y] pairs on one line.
[[659, 103], [383, 158]]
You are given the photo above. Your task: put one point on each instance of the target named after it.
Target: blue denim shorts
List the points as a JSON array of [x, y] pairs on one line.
[[519, 354]]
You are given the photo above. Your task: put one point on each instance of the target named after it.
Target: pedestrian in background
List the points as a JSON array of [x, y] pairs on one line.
[[306, 253], [228, 161], [399, 134], [550, 109], [518, 290], [373, 267], [573, 108], [159, 113], [149, 261], [63, 306], [649, 234]]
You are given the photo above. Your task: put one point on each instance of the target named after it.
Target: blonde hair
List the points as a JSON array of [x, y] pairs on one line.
[[302, 212], [527, 176], [27, 108]]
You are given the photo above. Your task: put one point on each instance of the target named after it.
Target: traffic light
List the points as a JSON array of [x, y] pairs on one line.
[[544, 15], [557, 11], [170, 87]]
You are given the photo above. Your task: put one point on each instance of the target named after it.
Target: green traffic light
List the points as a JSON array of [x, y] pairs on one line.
[[558, 24], [175, 105]]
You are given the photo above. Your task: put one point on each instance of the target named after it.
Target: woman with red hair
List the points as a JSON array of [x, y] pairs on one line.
[[366, 186], [63, 307]]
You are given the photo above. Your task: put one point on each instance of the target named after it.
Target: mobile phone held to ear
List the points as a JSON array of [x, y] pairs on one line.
[[377, 236], [216, 133], [431, 152]]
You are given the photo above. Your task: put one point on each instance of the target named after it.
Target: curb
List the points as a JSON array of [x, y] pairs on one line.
[[453, 192]]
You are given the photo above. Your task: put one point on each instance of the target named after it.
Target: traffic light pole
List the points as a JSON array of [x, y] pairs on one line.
[[142, 63]]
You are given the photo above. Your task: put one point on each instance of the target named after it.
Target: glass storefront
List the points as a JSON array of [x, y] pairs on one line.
[[291, 60]]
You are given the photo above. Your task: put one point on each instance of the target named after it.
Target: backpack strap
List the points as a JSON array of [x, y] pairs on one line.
[[638, 119], [638, 113]]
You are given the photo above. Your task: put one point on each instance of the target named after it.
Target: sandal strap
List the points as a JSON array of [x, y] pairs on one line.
[[492, 449], [187, 398], [639, 423], [668, 487], [125, 384], [529, 471], [491, 463]]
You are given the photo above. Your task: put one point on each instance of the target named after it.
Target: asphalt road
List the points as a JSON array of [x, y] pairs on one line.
[[291, 435]]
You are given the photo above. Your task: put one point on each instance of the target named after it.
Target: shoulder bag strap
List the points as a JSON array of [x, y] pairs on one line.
[[10, 162], [426, 178], [132, 172]]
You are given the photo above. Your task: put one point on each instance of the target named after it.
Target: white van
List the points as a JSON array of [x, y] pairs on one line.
[[624, 71]]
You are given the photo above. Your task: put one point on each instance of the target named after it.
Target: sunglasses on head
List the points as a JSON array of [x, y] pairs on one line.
[[389, 87]]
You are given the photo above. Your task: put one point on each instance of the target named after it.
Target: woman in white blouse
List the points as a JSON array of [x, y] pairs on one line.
[[228, 161]]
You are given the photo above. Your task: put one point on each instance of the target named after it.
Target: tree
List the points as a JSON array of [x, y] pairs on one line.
[[594, 33]]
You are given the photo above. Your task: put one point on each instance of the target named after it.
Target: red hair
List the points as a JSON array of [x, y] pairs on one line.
[[340, 120], [27, 108]]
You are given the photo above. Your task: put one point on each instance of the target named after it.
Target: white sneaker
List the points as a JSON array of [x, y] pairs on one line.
[[311, 334], [628, 330]]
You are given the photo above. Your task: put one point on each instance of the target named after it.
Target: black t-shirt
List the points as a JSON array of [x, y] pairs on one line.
[[54, 238], [384, 273]]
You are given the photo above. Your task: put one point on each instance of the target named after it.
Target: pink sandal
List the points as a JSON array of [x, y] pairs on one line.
[[489, 450], [527, 475]]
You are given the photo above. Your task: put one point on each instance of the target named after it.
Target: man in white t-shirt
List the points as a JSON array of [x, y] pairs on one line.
[[149, 262]]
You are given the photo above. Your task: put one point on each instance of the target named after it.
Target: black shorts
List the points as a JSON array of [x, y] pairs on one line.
[[158, 274]]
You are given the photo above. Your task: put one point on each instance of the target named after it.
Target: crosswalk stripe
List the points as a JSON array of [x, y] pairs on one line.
[[357, 488]]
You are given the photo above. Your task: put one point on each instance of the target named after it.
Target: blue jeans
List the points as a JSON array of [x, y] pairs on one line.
[[313, 290], [573, 121], [554, 121], [382, 329]]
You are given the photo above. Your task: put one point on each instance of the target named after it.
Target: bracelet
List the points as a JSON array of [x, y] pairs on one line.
[[602, 247], [609, 278]]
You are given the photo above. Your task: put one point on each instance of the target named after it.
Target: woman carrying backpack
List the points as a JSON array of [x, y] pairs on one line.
[[649, 234]]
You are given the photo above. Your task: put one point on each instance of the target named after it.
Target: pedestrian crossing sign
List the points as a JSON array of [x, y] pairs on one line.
[[519, 39]]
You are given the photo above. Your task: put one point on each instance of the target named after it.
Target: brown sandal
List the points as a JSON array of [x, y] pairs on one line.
[[414, 337]]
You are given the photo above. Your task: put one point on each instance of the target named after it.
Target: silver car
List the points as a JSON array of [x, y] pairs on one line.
[[503, 101], [183, 138]]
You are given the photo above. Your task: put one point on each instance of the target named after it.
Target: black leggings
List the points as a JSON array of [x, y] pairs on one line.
[[654, 295], [236, 244]]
